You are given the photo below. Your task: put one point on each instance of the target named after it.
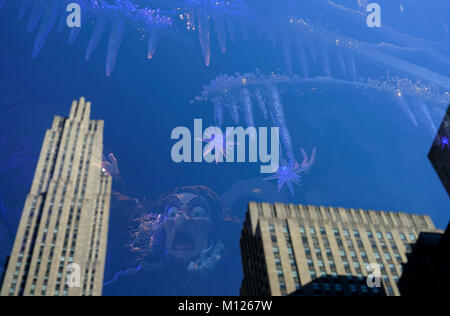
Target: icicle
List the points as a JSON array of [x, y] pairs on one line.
[[326, 62], [74, 32], [62, 23], [231, 29], [219, 22], [244, 29], [153, 38], [286, 43], [35, 17], [204, 34], [48, 21], [403, 105], [248, 108], [24, 8], [312, 50], [192, 20], [261, 102], [279, 120], [218, 111], [352, 67], [425, 117], [232, 106], [100, 25], [341, 62], [115, 40], [302, 58]]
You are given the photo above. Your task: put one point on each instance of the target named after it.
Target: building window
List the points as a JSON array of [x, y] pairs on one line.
[[277, 261], [402, 237], [271, 228], [411, 237], [276, 250], [312, 231]]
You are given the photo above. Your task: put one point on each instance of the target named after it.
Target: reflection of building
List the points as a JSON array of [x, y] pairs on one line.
[[428, 269], [65, 218], [440, 152], [313, 250]]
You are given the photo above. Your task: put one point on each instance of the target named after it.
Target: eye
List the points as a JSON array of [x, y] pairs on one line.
[[198, 211], [172, 212]]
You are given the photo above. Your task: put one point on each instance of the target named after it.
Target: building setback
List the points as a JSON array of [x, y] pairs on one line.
[[440, 152], [64, 225], [315, 250], [427, 272]]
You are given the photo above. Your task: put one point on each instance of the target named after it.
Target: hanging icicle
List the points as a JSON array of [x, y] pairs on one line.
[[204, 35], [100, 25], [115, 40], [48, 21]]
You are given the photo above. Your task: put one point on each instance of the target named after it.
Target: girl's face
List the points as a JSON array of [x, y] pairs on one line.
[[188, 225]]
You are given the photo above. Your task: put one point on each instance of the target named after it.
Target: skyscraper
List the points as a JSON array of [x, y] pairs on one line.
[[312, 250], [60, 245], [440, 152]]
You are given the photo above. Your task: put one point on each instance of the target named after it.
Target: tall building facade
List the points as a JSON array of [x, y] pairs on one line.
[[60, 245], [315, 250], [440, 152]]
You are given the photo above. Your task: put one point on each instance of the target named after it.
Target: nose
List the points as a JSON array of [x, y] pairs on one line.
[[181, 218]]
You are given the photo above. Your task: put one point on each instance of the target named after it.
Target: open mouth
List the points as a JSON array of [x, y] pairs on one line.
[[183, 241]]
